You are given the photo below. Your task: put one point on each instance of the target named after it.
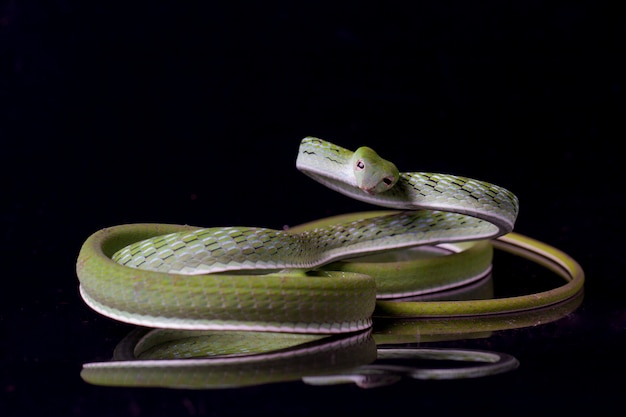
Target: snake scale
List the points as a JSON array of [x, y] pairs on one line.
[[246, 278]]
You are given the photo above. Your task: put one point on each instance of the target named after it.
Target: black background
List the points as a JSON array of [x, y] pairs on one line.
[[192, 112]]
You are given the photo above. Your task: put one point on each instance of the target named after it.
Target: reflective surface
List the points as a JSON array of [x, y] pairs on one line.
[[230, 359], [114, 114]]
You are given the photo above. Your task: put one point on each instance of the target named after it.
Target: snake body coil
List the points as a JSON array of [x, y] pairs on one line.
[[262, 279]]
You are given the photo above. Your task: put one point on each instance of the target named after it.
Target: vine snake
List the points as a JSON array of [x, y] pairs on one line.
[[246, 278], [218, 359]]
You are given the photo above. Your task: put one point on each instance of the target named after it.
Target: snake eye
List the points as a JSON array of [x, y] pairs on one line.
[[360, 164]]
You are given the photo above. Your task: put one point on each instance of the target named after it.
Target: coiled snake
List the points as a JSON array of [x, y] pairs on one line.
[[176, 276]]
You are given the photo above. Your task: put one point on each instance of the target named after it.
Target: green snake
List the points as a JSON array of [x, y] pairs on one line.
[[219, 359], [247, 278]]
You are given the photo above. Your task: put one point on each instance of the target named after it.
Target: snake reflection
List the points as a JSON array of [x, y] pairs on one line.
[[180, 359], [235, 357], [192, 359]]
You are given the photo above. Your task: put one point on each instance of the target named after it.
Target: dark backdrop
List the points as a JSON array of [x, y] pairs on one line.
[[192, 112]]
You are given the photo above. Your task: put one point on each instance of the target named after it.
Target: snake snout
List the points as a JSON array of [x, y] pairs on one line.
[[369, 190], [381, 186]]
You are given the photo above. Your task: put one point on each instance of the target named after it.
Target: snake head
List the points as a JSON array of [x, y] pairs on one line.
[[373, 174]]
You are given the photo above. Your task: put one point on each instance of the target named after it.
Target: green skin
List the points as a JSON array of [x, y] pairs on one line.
[[277, 293], [337, 297], [373, 174], [235, 359]]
